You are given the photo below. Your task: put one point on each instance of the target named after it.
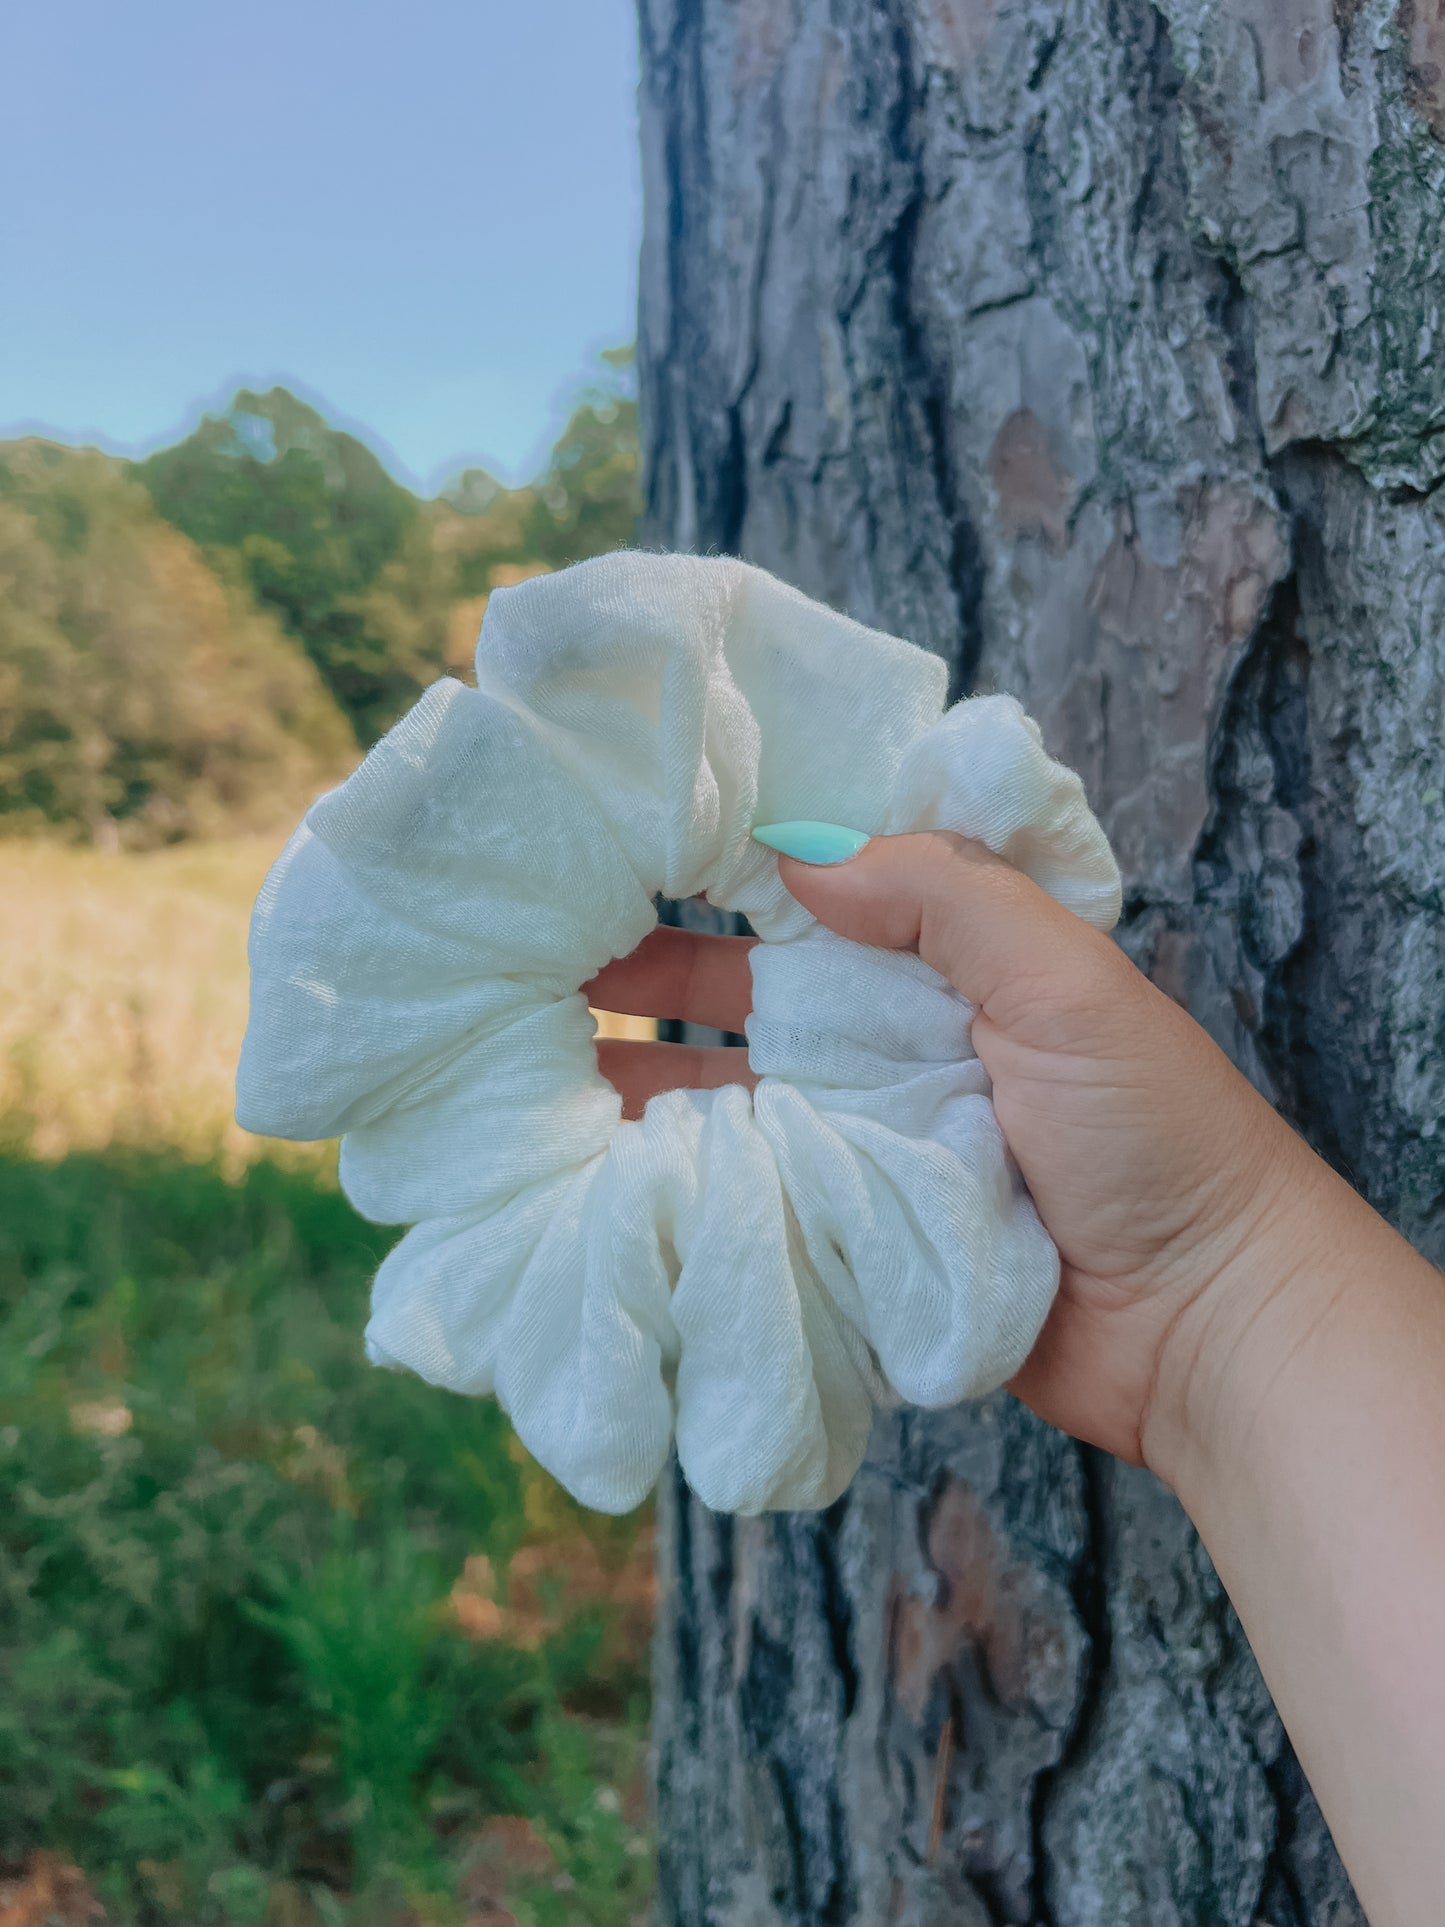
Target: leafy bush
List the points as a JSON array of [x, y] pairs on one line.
[[239, 1678]]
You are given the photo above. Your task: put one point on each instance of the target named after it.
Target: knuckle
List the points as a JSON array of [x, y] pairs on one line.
[[950, 849]]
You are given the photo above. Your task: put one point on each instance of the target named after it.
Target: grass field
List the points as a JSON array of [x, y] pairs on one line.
[[286, 1640], [123, 994]]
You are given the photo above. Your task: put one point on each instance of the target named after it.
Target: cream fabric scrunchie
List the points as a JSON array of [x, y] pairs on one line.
[[752, 1273]]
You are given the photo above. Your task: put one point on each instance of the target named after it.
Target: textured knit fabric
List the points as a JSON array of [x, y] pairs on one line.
[[750, 1274]]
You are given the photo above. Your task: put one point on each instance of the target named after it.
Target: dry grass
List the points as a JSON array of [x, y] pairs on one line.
[[123, 994]]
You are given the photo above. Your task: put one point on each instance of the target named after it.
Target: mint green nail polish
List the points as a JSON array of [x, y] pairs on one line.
[[811, 842]]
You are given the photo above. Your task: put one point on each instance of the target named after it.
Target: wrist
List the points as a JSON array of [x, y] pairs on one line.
[[1267, 1296], [1299, 1422]]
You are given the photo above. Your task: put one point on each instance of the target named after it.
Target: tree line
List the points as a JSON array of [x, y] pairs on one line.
[[196, 642]]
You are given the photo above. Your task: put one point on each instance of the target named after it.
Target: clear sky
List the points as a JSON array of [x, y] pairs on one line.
[[422, 214]]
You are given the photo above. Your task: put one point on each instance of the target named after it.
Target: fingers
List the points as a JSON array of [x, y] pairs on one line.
[[639, 1071], [979, 922], [680, 973]]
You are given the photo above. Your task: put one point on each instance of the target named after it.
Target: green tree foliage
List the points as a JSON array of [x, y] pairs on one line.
[[589, 496], [211, 632], [363, 574], [141, 692], [314, 521]]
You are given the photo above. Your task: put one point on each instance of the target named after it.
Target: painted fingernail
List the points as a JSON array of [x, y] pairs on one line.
[[811, 842]]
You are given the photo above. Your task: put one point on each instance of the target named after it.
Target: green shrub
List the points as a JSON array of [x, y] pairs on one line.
[[227, 1553]]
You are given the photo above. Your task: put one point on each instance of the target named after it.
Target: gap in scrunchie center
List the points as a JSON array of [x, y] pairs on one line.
[[689, 975]]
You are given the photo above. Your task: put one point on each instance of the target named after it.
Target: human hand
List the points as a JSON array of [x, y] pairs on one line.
[[1151, 1160], [1230, 1313], [685, 975]]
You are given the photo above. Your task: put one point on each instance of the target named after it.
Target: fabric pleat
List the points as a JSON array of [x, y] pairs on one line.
[[751, 1276]]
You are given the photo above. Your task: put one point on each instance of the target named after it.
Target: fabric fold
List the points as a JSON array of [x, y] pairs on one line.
[[750, 1276]]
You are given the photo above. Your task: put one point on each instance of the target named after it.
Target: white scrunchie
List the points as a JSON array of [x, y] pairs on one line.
[[753, 1273]]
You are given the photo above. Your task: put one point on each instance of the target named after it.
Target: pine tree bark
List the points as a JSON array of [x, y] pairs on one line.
[[1097, 346]]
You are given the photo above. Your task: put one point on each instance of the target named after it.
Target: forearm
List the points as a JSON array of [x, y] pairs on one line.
[[1305, 1434]]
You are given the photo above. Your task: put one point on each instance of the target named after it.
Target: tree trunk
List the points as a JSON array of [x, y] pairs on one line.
[[1096, 346]]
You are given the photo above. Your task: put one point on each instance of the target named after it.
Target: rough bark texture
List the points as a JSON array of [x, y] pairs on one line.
[[1096, 346]]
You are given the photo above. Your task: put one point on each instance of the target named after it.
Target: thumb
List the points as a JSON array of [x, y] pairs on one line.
[[975, 919]]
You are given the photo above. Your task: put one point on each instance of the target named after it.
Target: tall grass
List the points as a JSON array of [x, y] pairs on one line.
[[123, 994], [286, 1640]]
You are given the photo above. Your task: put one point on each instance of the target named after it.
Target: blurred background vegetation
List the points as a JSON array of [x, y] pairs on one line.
[[191, 643], [285, 1639]]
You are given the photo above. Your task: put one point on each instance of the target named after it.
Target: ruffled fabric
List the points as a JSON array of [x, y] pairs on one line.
[[751, 1275]]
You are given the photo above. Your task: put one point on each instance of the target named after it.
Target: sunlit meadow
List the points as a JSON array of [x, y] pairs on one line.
[[286, 1639]]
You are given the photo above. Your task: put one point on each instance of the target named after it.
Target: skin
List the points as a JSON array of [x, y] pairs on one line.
[[1231, 1314]]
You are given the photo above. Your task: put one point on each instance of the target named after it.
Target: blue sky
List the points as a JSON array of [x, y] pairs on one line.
[[423, 214]]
